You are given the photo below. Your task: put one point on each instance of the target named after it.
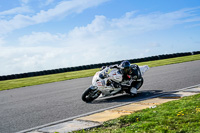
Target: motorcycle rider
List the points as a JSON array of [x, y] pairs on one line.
[[125, 69]]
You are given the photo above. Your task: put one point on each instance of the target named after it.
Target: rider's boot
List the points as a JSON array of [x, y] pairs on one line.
[[133, 91]]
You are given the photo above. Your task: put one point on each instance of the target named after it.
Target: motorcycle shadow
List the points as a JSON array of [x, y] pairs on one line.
[[126, 97]]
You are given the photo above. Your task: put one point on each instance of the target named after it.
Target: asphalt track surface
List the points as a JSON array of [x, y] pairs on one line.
[[28, 107]]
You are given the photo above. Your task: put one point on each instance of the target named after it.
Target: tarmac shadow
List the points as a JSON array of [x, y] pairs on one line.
[[126, 97]]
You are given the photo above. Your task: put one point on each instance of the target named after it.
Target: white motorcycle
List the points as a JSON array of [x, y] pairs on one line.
[[108, 81]]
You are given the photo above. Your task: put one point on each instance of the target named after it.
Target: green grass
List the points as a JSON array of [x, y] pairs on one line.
[[180, 116], [16, 83]]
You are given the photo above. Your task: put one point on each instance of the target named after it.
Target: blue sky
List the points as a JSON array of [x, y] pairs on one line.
[[40, 35]]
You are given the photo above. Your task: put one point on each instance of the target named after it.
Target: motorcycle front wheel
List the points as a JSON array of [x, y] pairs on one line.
[[90, 94]]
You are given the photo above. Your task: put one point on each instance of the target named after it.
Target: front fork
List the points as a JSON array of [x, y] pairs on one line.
[[95, 92]]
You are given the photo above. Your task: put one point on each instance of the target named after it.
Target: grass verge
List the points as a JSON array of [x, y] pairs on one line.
[[180, 116], [17, 83]]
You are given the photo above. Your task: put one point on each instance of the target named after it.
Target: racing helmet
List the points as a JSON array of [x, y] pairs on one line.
[[125, 67]]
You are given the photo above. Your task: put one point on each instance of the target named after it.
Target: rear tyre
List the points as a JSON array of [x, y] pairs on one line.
[[90, 94], [139, 84]]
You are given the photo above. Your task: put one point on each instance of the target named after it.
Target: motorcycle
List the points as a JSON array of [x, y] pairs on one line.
[[108, 81]]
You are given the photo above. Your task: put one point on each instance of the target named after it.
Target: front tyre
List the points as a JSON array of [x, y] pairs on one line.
[[90, 94]]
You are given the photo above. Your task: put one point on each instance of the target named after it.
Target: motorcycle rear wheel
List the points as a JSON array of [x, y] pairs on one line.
[[90, 94]]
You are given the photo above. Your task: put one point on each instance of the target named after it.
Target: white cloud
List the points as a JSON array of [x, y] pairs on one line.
[[19, 21], [120, 29], [2, 41], [42, 38], [102, 40], [60, 10], [28, 59], [17, 10], [24, 2], [22, 59], [65, 8], [48, 2], [155, 21], [155, 44]]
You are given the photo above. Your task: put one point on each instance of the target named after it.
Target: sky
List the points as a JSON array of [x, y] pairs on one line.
[[38, 35]]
